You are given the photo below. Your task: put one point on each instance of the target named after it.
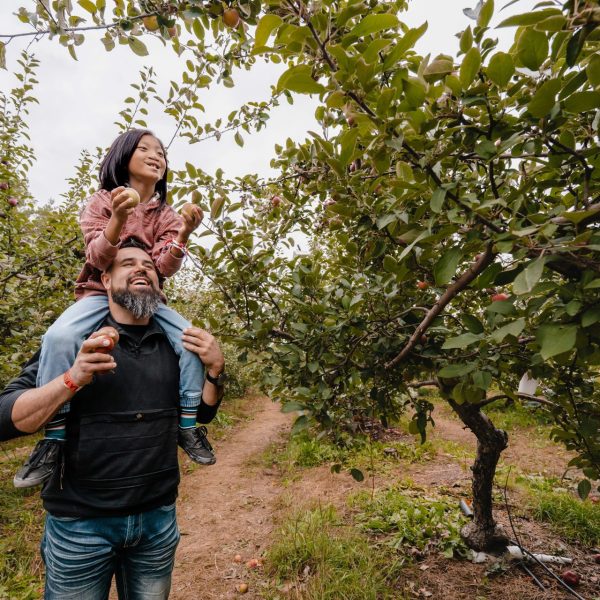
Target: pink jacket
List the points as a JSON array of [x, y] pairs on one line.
[[150, 223]]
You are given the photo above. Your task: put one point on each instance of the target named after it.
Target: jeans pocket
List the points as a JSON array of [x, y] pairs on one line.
[[167, 507], [65, 519]]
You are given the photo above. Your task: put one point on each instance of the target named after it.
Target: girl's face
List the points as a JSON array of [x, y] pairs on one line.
[[148, 161]]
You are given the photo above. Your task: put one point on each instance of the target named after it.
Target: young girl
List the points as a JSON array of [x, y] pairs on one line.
[[136, 160]]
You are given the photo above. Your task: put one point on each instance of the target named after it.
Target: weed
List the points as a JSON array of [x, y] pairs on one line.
[[320, 557], [409, 519]]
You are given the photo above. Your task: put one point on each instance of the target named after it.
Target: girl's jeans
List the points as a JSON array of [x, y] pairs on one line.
[[63, 339], [82, 555]]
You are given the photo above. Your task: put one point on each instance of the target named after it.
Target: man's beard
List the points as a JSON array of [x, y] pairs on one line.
[[142, 304]]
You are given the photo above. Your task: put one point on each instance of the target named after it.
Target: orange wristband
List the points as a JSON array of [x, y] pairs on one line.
[[69, 383]]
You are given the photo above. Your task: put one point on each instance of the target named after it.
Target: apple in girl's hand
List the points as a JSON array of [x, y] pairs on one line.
[[133, 195], [191, 212]]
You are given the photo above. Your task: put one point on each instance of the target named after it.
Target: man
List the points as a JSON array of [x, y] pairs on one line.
[[111, 504]]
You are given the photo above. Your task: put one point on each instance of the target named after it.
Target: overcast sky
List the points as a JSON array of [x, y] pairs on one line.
[[80, 100]]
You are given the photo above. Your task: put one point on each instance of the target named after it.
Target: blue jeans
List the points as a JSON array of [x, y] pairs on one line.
[[82, 555], [64, 337]]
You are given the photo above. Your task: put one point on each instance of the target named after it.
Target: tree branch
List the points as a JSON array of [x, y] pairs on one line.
[[453, 290]]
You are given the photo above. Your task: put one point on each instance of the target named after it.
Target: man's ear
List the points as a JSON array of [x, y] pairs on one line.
[[105, 278]]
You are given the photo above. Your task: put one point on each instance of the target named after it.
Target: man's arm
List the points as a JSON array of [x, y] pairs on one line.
[[9, 395], [33, 407]]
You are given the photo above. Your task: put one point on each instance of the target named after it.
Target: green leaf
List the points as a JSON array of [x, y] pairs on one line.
[[216, 207], [445, 268], [137, 46], [2, 55], [407, 41], [373, 23], [357, 474], [582, 102], [456, 370], [461, 341], [593, 70], [515, 328], [87, 5], [556, 339], [348, 144], [485, 14], [469, 67], [437, 200], [391, 265], [544, 99], [300, 424], [239, 140], [264, 29], [473, 324], [532, 48], [292, 406], [590, 316], [438, 68], [466, 40], [584, 487], [529, 18], [501, 68], [528, 277], [299, 79]]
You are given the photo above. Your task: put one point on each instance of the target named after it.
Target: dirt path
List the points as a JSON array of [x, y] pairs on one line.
[[231, 508], [227, 510]]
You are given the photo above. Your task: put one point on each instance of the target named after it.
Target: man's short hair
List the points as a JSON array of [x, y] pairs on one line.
[[130, 242]]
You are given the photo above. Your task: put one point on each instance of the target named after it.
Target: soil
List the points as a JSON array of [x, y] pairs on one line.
[[233, 507]]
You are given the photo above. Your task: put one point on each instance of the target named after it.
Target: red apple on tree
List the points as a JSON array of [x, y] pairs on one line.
[[275, 201], [422, 285], [4, 185], [231, 17], [499, 297], [13, 201]]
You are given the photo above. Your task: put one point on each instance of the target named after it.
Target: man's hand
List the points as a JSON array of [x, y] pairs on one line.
[[123, 203], [93, 356], [206, 347]]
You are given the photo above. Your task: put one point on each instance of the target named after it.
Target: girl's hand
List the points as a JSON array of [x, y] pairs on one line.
[[124, 201], [192, 217]]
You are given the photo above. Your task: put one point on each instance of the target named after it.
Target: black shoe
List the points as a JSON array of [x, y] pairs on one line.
[[196, 445], [40, 464]]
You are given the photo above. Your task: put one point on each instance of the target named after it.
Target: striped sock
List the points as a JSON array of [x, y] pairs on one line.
[[187, 417], [56, 429]]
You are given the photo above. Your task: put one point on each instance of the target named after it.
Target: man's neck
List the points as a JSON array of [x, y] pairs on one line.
[[123, 316]]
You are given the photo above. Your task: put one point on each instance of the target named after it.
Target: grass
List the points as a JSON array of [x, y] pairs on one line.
[[304, 450], [21, 524], [574, 519], [320, 558]]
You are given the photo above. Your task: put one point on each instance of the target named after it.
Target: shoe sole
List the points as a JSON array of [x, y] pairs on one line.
[[28, 483], [206, 463]]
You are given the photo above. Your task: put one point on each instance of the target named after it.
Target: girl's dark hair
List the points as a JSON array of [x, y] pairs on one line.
[[114, 170]]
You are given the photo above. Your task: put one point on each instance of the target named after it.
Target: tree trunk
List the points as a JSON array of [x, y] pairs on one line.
[[483, 534]]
